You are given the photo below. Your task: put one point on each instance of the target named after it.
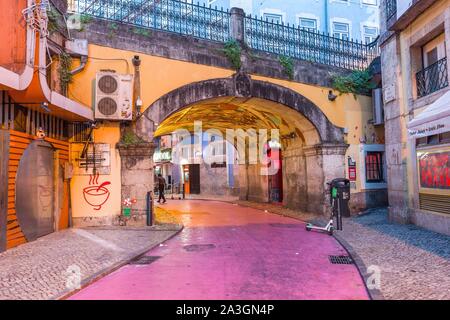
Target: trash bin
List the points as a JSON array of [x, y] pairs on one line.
[[340, 191]]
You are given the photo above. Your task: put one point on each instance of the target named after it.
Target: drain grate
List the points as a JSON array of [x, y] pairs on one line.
[[340, 259], [198, 247], [144, 260]]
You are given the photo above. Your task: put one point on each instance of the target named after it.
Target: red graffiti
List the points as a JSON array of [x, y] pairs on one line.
[[435, 170], [96, 194]]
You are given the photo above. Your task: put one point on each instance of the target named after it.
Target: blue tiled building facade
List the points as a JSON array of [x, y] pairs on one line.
[[346, 19]]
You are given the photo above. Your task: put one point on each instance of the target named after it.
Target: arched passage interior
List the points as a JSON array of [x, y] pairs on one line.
[[312, 148]]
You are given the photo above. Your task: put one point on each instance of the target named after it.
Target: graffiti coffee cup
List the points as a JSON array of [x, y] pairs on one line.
[[96, 196]]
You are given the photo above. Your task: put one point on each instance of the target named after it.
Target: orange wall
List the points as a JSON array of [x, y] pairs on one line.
[[13, 35]]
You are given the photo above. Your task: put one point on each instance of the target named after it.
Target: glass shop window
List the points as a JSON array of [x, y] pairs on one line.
[[374, 167]]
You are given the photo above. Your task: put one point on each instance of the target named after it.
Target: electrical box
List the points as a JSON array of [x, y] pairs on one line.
[[378, 108]]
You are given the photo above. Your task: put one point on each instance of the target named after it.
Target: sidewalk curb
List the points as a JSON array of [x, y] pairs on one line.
[[97, 276], [374, 294]]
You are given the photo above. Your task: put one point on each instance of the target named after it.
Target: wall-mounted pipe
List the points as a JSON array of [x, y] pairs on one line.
[[83, 61]]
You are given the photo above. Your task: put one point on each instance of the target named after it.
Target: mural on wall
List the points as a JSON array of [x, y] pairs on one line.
[[96, 194], [434, 168]]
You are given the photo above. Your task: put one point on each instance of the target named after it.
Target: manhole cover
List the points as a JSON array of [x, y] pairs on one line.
[[145, 260], [340, 259], [198, 247], [285, 225]]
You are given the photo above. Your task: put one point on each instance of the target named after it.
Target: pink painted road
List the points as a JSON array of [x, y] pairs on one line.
[[231, 252]]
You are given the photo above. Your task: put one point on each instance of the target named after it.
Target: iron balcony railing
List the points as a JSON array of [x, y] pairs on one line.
[[299, 43], [432, 78], [391, 8], [181, 17]]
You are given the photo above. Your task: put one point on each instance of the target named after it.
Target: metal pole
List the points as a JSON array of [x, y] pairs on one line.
[[149, 209]]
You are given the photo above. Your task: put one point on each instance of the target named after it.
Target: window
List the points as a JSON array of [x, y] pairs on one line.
[[433, 51], [308, 24], [341, 30], [371, 2], [272, 17], [442, 138], [370, 34], [374, 167]]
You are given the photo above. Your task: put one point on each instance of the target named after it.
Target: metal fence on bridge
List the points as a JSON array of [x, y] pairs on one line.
[[200, 21], [180, 17], [303, 44]]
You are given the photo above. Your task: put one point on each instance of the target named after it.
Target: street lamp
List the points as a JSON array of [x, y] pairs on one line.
[[138, 106]]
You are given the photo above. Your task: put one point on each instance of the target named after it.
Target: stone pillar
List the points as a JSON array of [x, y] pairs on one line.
[[237, 24], [137, 177], [395, 132], [294, 178], [324, 162]]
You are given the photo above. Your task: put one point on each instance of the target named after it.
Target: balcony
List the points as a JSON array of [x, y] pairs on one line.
[[432, 78]]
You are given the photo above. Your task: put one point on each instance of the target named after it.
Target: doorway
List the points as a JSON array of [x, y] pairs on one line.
[[275, 180], [191, 178], [35, 192]]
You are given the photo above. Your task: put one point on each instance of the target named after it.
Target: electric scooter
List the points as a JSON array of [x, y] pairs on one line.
[[329, 228]]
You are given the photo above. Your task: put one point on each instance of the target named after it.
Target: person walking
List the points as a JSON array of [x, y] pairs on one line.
[[161, 188]]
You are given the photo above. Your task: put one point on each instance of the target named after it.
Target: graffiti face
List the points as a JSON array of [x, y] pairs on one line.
[[96, 194]]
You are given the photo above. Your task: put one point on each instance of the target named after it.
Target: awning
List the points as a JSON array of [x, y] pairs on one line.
[[434, 119]]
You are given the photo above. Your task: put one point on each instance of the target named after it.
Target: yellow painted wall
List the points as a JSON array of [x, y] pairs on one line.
[[80, 208], [160, 76]]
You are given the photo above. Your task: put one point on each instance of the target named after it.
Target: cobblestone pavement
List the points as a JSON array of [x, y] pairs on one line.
[[42, 269], [414, 262]]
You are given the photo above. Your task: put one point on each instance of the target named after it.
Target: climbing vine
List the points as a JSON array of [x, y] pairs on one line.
[[54, 18], [65, 76], [84, 21], [113, 27], [142, 32], [232, 51], [129, 137], [288, 66], [357, 82]]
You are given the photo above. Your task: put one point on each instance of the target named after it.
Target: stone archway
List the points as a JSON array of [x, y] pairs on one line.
[[309, 165]]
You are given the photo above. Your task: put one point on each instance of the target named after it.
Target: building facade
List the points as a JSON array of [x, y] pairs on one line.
[[414, 49], [107, 89], [345, 19]]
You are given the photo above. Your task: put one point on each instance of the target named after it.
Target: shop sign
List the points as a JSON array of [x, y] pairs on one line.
[[163, 155], [429, 129], [351, 169]]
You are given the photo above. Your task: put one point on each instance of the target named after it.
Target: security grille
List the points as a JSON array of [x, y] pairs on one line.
[[81, 132], [340, 260], [435, 203]]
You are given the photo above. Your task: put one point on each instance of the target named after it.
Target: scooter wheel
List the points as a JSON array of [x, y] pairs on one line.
[[308, 229], [330, 232]]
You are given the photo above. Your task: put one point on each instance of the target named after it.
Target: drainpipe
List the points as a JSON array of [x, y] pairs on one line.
[[137, 86], [83, 61], [326, 17]]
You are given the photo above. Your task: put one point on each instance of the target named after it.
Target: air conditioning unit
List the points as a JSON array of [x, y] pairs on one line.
[[378, 109], [113, 96]]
